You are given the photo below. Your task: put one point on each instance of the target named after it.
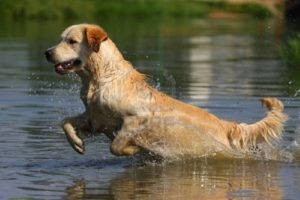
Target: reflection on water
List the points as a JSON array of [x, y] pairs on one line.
[[190, 180], [222, 66]]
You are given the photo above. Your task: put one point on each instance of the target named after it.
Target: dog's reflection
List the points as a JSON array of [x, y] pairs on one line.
[[188, 180], [76, 191]]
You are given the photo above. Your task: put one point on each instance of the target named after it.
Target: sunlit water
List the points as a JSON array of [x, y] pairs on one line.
[[221, 66]]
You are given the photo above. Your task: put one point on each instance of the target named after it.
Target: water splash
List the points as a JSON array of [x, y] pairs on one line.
[[297, 93], [157, 86], [212, 149], [172, 82]]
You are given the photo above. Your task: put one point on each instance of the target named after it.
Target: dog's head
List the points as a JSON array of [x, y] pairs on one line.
[[76, 45]]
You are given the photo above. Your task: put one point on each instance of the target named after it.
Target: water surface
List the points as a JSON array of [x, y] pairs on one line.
[[223, 66]]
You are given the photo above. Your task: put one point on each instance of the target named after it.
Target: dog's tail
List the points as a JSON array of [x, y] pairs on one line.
[[243, 136]]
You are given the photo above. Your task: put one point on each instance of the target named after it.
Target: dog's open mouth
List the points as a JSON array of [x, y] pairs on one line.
[[65, 67]]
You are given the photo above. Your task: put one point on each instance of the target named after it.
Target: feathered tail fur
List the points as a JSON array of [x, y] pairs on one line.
[[243, 136]]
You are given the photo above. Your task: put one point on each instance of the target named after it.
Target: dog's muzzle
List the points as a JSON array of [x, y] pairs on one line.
[[62, 67]]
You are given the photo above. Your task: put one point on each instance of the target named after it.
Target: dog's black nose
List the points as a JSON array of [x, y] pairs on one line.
[[48, 54]]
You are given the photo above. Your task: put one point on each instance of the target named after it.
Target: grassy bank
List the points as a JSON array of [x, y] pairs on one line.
[[290, 51], [91, 9], [290, 54]]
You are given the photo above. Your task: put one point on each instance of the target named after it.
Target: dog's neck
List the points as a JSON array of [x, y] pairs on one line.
[[106, 68], [106, 65]]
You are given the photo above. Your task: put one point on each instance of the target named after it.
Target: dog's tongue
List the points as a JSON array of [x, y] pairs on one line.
[[59, 68]]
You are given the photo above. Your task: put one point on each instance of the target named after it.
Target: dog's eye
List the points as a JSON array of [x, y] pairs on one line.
[[72, 41]]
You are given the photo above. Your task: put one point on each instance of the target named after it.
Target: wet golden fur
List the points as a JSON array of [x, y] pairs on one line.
[[135, 116]]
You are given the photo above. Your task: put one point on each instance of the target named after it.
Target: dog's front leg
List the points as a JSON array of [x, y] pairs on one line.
[[71, 127]]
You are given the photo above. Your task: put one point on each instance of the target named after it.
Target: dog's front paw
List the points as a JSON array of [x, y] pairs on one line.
[[74, 140], [76, 143]]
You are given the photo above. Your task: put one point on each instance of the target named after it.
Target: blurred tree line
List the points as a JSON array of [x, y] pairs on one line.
[[90, 9]]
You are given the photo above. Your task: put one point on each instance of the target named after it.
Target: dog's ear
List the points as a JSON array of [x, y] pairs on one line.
[[95, 35]]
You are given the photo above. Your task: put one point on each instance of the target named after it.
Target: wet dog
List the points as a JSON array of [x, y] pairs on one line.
[[135, 116]]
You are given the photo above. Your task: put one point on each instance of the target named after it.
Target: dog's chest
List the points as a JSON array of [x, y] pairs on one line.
[[102, 118], [100, 112]]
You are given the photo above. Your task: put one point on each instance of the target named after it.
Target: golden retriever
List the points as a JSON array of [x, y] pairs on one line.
[[135, 116]]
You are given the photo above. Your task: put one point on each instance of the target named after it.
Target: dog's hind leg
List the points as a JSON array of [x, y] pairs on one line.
[[123, 145], [138, 133]]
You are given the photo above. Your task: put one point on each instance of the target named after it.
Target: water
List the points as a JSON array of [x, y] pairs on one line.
[[224, 66]]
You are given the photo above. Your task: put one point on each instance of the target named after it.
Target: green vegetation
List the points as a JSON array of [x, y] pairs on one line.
[[91, 9], [45, 10], [252, 9], [290, 51], [145, 8]]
